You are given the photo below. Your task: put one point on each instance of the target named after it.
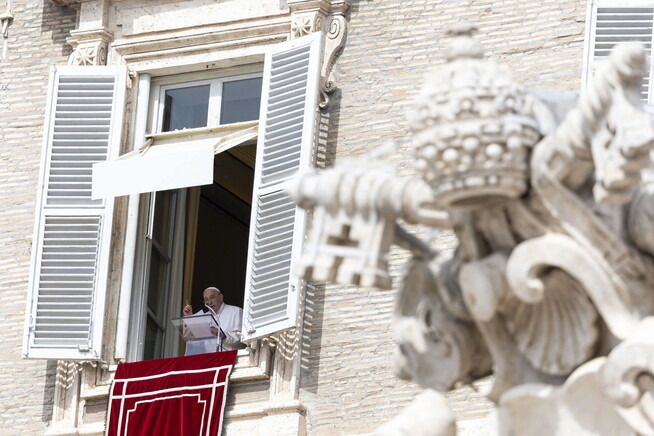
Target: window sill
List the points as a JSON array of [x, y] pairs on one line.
[[225, 129]]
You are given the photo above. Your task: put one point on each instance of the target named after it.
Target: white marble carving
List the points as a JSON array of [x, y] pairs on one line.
[[328, 16], [609, 395], [554, 271]]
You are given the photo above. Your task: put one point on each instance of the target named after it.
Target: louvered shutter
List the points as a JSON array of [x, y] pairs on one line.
[[612, 22], [72, 232], [289, 104]]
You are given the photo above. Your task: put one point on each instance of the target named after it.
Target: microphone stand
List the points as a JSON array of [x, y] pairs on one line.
[[220, 331]]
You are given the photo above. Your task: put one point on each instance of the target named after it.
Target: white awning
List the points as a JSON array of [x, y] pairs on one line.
[[169, 160]]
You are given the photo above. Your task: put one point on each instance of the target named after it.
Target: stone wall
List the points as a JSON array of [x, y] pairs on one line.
[[36, 40], [347, 381]]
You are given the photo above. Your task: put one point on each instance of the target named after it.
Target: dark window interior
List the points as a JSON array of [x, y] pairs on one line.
[[223, 228]]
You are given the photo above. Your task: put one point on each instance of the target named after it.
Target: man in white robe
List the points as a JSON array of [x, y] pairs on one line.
[[228, 317]]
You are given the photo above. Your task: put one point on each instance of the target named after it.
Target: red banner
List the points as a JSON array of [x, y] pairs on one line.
[[180, 396]]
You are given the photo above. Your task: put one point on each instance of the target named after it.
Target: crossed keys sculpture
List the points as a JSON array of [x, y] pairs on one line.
[[551, 286]]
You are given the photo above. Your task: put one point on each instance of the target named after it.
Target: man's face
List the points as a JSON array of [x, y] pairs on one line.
[[213, 299]]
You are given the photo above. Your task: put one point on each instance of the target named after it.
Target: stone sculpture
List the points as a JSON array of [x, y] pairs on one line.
[[551, 286]]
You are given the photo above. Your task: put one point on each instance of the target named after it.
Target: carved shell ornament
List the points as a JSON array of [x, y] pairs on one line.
[[559, 332]]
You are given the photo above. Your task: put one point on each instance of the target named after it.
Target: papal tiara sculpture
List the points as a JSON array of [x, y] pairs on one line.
[[551, 287]]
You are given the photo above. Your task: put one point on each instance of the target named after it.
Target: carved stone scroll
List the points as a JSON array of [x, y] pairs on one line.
[[309, 16]]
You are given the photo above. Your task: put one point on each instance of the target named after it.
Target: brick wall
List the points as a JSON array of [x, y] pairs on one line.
[[36, 41], [347, 381]]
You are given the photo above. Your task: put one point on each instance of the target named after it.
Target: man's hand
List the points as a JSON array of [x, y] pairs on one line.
[[188, 309]]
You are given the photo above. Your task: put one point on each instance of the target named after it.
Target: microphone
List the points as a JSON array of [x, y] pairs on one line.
[[220, 331]]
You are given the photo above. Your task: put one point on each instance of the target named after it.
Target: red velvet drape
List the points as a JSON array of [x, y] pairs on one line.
[[180, 396]]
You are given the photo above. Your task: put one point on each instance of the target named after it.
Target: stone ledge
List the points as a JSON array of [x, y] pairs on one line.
[[197, 38], [268, 408], [95, 429]]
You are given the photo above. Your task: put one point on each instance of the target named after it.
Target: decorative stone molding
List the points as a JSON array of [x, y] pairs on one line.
[[90, 47], [329, 17], [305, 23], [226, 44]]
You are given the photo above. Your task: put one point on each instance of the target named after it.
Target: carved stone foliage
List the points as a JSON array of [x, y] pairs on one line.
[[551, 272]]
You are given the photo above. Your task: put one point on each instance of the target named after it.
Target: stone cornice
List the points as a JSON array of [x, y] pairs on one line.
[[193, 38], [323, 6], [102, 34], [150, 51]]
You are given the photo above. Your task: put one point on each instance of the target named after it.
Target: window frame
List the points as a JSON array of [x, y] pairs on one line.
[[215, 95], [138, 317]]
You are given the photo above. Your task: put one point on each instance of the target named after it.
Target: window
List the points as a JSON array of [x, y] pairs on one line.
[[208, 102], [613, 21], [176, 239], [196, 237], [252, 265]]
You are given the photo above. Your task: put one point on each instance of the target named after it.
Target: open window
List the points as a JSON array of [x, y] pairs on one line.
[[241, 232], [236, 230], [194, 237]]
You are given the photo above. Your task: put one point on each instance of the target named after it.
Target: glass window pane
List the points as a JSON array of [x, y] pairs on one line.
[[241, 101], [153, 341], [157, 283], [163, 219], [185, 108]]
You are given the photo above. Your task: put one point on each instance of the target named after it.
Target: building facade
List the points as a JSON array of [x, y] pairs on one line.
[[331, 372]]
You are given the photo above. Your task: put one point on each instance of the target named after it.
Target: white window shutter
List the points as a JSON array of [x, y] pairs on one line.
[[289, 104], [611, 22], [70, 249]]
